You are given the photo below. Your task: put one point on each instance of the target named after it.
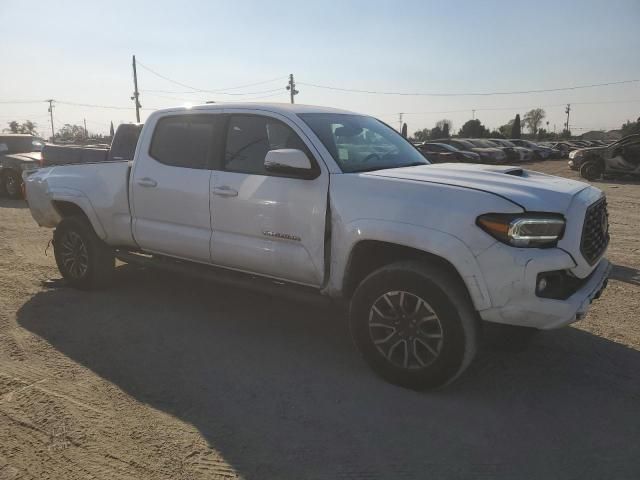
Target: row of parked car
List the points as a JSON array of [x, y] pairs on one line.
[[486, 150], [567, 146]]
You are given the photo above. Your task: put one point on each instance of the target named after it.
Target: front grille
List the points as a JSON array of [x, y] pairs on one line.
[[595, 232]]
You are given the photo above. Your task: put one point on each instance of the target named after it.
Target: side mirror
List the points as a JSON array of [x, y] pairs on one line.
[[291, 162]]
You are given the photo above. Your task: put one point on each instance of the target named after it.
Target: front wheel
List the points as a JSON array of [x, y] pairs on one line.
[[591, 170], [12, 184], [83, 259], [414, 325]]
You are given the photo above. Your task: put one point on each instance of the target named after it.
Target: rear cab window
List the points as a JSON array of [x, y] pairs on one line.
[[187, 141]]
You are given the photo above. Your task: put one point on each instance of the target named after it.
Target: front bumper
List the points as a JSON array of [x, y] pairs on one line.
[[545, 314]]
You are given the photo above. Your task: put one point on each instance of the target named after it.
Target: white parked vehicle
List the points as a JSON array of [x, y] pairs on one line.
[[317, 201]]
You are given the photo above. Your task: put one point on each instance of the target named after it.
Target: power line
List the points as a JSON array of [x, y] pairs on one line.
[[8, 102], [469, 94], [220, 90], [217, 93]]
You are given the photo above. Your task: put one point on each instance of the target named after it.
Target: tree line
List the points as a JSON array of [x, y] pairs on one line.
[[532, 121], [68, 133]]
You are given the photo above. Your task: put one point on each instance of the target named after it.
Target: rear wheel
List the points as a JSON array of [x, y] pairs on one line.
[[414, 325], [12, 184], [591, 170], [84, 260]]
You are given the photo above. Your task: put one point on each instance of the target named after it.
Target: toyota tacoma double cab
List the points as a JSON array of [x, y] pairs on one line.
[[314, 202]]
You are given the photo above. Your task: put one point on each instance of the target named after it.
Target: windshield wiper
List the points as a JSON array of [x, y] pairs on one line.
[[414, 164]]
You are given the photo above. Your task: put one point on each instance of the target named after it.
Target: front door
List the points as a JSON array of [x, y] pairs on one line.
[[266, 224], [171, 184]]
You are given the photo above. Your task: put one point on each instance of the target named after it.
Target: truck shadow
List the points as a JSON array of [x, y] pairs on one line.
[[628, 275], [617, 180], [278, 390]]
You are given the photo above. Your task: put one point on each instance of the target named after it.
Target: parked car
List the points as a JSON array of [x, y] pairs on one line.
[[580, 144], [564, 148], [487, 155], [511, 155], [441, 152], [18, 153], [542, 153], [619, 158], [312, 201], [524, 154]]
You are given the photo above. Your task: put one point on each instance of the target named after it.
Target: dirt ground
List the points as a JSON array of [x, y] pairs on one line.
[[164, 377]]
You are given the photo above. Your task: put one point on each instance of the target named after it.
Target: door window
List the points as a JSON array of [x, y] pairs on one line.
[[187, 141], [250, 137]]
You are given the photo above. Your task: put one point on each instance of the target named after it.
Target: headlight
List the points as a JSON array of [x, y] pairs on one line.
[[524, 230]]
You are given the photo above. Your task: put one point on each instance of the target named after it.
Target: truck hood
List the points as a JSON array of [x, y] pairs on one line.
[[24, 157], [588, 150], [532, 191]]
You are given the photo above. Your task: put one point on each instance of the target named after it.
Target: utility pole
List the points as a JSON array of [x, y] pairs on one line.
[[567, 111], [473, 114], [86, 132], [53, 133], [136, 94], [400, 121], [292, 87]]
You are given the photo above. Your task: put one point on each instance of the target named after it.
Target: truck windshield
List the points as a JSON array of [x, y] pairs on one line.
[[360, 144]]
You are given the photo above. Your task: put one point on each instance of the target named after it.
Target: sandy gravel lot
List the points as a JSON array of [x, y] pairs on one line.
[[164, 377]]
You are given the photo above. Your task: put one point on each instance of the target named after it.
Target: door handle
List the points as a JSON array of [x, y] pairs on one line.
[[225, 191], [147, 182]]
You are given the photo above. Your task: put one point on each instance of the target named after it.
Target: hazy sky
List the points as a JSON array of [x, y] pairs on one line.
[[81, 52]]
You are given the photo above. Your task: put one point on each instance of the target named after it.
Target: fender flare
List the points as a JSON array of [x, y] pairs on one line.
[[429, 240], [78, 198]]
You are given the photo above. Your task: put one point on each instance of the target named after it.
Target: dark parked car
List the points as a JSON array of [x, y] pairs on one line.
[[564, 148], [540, 151], [441, 153], [17, 153], [487, 155], [525, 154], [619, 158], [510, 152]]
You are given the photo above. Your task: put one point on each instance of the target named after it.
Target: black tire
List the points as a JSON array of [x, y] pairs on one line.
[[591, 170], [12, 184], [74, 240], [444, 297]]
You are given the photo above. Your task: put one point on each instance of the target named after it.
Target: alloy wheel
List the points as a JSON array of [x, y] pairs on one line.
[[74, 255], [405, 329]]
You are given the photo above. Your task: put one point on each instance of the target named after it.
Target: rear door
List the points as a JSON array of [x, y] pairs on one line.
[[262, 223], [170, 186]]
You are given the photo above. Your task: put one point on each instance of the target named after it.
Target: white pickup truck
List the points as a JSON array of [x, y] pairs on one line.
[[319, 201]]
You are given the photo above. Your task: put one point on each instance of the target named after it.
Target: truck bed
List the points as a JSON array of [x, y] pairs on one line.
[[100, 189]]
